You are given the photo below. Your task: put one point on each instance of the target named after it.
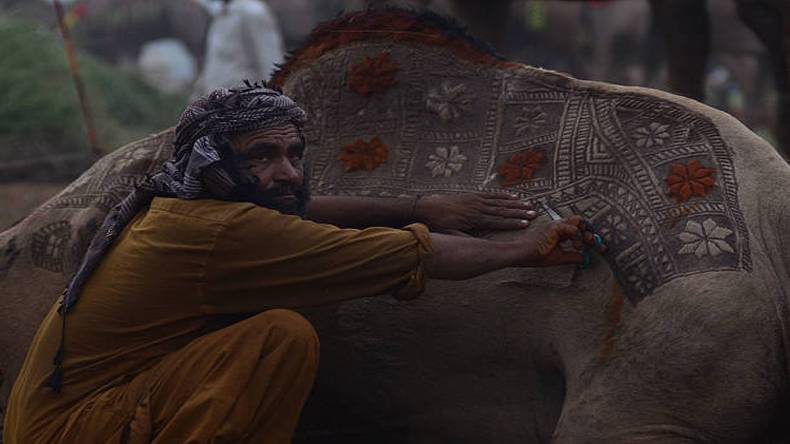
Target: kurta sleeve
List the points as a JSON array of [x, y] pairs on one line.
[[264, 259]]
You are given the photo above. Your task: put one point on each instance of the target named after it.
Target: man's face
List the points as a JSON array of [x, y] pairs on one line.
[[274, 156]]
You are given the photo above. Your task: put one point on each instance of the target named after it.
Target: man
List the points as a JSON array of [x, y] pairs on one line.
[[243, 42], [182, 332]]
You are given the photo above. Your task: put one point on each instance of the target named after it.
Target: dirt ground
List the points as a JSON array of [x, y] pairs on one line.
[[18, 199]]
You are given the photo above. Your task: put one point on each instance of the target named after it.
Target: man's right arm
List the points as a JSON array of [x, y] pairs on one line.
[[267, 260], [457, 258]]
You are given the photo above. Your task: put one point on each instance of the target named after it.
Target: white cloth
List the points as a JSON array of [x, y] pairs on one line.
[[168, 65], [244, 42]]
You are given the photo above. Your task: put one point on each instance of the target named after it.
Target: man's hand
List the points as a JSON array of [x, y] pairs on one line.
[[473, 213], [457, 257], [543, 246]]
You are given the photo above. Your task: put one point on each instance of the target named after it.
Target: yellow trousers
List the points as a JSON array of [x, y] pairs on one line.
[[244, 383]]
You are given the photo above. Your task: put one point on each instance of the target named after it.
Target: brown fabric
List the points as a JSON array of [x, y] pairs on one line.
[[244, 383], [176, 271]]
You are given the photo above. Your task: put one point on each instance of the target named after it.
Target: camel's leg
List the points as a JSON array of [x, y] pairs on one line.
[[700, 361], [770, 21], [686, 30]]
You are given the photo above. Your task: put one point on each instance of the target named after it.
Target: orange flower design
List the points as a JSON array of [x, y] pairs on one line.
[[692, 179], [373, 74], [521, 167], [361, 155]]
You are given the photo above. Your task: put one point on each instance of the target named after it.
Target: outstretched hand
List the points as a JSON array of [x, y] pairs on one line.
[[473, 213], [544, 245]]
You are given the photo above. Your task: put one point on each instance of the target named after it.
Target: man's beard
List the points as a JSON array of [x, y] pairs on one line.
[[284, 197]]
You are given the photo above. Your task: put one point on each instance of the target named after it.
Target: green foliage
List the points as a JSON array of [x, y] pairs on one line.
[[39, 105], [35, 92]]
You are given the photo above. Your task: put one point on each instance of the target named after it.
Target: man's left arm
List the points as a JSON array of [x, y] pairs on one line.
[[471, 213]]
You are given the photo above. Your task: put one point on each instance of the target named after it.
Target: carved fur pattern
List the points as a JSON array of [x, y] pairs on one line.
[[608, 155]]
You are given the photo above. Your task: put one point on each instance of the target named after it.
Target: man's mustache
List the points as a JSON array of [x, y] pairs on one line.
[[269, 198]]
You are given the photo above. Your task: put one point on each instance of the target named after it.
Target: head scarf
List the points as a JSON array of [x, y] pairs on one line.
[[203, 166]]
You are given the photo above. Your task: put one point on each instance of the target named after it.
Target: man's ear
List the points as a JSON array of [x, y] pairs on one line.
[[224, 144]]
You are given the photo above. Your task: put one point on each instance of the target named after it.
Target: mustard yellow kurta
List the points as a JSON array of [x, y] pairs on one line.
[[148, 329]]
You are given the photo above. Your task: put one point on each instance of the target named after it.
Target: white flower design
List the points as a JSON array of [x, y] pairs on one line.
[[613, 229], [448, 101], [641, 279], [531, 118], [446, 161], [652, 135], [706, 239]]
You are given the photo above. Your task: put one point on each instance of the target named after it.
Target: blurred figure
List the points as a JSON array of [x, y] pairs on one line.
[[167, 65], [117, 30], [244, 42], [686, 27]]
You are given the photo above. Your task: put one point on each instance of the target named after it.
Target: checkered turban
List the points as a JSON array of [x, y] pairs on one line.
[[203, 164]]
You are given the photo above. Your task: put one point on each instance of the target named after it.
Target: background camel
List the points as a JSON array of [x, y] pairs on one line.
[[685, 27]]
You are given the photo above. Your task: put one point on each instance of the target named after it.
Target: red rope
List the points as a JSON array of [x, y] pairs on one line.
[[74, 68]]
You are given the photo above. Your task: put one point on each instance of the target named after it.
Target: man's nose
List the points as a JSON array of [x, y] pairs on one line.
[[286, 172]]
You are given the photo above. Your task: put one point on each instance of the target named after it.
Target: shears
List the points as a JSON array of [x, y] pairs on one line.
[[585, 226]]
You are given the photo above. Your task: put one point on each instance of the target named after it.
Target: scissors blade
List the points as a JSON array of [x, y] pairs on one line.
[[554, 215]]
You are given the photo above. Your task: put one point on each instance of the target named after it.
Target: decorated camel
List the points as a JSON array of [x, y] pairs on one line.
[[677, 334]]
